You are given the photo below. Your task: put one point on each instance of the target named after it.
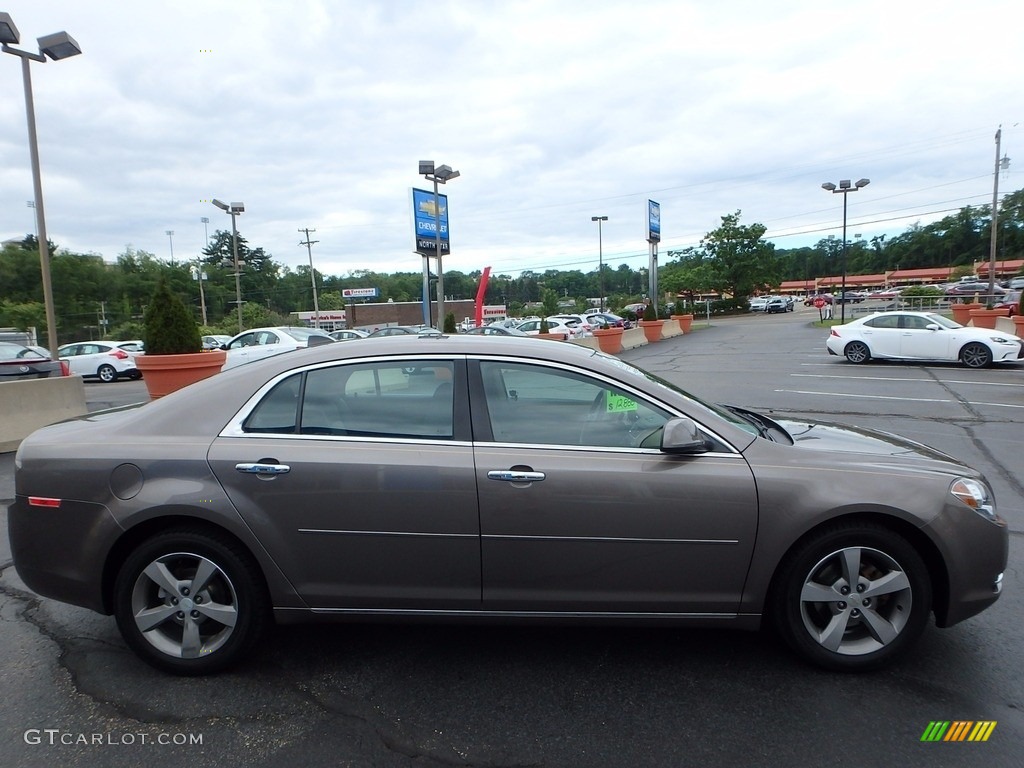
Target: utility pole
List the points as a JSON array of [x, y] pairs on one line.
[[312, 274], [1004, 163]]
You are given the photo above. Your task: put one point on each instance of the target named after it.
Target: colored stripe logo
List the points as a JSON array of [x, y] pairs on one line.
[[958, 730]]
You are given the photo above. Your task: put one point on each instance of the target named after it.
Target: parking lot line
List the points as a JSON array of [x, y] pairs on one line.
[[889, 397], [897, 378]]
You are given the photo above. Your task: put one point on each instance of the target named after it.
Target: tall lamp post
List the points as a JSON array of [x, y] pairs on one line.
[[600, 260], [233, 210], [844, 188], [59, 45], [440, 174], [170, 240]]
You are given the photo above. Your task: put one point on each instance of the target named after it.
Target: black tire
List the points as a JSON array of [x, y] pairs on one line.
[[976, 355], [135, 375], [107, 374], [857, 352], [852, 629], [215, 627]]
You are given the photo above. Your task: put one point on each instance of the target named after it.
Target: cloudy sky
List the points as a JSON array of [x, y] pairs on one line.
[[315, 113]]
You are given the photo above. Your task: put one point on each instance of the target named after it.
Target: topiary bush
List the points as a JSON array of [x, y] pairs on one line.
[[449, 322], [170, 328], [651, 311]]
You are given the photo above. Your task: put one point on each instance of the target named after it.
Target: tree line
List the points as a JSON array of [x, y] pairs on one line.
[[96, 299]]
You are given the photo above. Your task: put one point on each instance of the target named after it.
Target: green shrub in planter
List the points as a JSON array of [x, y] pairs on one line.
[[170, 328], [449, 322], [651, 312], [544, 327]]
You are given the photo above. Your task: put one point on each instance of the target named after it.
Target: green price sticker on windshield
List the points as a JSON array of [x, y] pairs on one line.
[[618, 403]]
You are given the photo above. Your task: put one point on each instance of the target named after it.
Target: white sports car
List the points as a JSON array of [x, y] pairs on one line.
[[922, 336]]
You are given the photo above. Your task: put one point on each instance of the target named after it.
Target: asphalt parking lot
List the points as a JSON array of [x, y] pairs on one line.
[[449, 696]]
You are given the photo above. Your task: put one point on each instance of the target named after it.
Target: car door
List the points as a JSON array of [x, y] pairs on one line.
[[577, 515], [882, 335], [359, 481], [919, 342], [72, 353]]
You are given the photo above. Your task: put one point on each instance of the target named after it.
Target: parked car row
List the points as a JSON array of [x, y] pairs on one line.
[[772, 304]]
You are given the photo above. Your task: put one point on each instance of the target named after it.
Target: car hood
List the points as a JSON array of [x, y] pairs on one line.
[[824, 436]]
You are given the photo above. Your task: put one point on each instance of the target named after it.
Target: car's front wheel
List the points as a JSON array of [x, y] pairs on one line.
[[106, 374], [190, 602], [853, 597], [857, 352], [976, 355]]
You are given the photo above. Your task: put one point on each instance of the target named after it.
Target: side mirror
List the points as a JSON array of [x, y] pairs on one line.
[[681, 435], [932, 327]]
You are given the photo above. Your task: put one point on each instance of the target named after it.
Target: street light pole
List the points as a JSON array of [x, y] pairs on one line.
[[600, 260], [844, 189], [233, 210], [440, 174], [170, 239], [59, 45]]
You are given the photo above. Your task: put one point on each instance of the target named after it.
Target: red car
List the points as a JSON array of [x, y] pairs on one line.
[[1011, 301]]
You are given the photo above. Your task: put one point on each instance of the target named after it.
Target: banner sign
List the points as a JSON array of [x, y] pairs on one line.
[[425, 220], [360, 293], [653, 221]]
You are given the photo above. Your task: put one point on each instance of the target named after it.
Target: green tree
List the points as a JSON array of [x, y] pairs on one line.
[[170, 328], [740, 261]]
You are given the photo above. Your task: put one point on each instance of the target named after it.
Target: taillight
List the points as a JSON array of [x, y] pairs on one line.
[[120, 354], [835, 333], [65, 369], [42, 501]]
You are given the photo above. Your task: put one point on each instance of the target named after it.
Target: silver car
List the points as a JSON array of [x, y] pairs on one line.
[[456, 478]]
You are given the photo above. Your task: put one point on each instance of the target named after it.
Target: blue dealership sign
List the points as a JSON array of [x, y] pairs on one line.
[[653, 222], [426, 220]]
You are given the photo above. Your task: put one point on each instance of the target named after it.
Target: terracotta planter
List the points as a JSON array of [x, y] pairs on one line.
[[1018, 325], [652, 329], [609, 340], [164, 374], [685, 322], [986, 318], [961, 312], [552, 336]]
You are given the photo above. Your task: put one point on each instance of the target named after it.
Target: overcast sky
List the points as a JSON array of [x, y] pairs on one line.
[[315, 113]]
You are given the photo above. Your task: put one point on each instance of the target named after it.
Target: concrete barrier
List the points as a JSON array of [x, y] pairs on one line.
[[27, 405]]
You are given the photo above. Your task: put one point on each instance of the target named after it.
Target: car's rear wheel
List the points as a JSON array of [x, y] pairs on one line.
[[976, 355], [852, 598], [189, 602], [857, 352], [107, 373]]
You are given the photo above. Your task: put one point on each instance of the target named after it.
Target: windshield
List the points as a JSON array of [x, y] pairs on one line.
[[302, 334], [945, 322]]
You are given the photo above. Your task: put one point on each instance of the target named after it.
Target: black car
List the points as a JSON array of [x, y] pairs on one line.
[[18, 362]]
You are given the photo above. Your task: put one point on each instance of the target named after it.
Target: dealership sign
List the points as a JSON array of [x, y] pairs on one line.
[[426, 221], [653, 222]]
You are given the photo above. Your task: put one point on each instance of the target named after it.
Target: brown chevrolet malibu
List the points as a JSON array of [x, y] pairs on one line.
[[502, 479]]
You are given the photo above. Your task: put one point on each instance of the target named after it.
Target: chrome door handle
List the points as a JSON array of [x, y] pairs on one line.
[[513, 476], [263, 469]]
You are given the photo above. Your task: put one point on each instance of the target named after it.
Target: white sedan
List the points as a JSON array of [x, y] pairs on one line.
[[259, 343], [532, 327], [922, 336]]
